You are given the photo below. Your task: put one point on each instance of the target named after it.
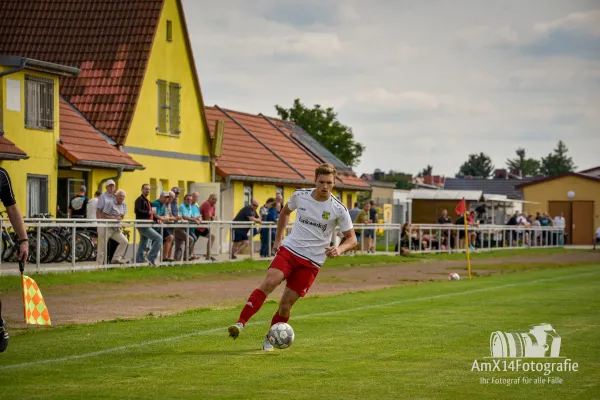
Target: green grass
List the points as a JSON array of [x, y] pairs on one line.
[[418, 341], [242, 268]]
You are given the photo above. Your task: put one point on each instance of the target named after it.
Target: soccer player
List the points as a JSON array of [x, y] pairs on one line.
[[16, 220], [302, 253]]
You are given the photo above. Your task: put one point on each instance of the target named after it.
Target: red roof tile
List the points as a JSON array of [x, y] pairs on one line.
[[254, 147], [81, 144], [109, 40], [8, 150]]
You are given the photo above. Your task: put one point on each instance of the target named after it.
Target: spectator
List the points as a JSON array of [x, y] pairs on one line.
[[174, 202], [143, 212], [354, 211], [597, 238], [545, 220], [190, 213], [559, 222], [264, 210], [91, 205], [103, 200], [161, 206], [117, 210], [78, 204], [446, 220], [374, 217], [364, 218], [240, 235], [267, 235], [208, 212], [279, 198]]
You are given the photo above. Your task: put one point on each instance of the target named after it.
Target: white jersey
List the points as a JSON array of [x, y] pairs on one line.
[[314, 225]]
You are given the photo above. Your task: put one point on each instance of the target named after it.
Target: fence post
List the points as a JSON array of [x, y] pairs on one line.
[[387, 231], [252, 241], [73, 244], [134, 243], [37, 246]]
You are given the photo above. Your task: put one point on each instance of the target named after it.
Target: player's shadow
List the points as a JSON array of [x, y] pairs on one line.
[[240, 352]]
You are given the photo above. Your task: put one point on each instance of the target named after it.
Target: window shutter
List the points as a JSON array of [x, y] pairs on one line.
[[174, 103], [162, 107]]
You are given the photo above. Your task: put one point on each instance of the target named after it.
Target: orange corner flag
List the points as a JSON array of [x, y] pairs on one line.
[[36, 312], [461, 208]]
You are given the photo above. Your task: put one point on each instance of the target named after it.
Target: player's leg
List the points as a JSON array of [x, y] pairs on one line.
[[3, 332], [276, 273], [288, 299]]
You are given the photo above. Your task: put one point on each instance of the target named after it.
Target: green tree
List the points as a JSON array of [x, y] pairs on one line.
[[477, 165], [323, 125], [401, 179], [427, 171], [526, 166], [558, 162]]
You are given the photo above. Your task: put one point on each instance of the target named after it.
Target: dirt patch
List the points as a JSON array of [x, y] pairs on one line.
[[97, 302]]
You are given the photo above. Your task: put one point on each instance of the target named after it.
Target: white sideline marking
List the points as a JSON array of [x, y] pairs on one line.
[[224, 329]]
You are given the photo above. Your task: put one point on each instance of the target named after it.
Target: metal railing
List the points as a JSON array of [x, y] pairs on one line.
[[387, 238]]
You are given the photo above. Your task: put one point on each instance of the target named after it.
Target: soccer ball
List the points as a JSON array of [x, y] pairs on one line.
[[281, 335], [453, 277]]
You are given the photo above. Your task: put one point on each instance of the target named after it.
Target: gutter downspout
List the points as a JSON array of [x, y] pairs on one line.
[[116, 179]]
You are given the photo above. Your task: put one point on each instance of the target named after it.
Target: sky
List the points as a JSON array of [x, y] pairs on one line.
[[419, 82]]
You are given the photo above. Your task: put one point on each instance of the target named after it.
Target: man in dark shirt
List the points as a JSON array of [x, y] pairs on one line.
[[16, 220], [78, 204], [374, 220], [445, 220], [240, 235], [143, 211]]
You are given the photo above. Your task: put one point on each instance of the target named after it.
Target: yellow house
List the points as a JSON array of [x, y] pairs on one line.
[[263, 156], [574, 195], [29, 129], [138, 88]]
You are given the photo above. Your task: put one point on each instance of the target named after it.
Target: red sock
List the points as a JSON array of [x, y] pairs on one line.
[[277, 318], [254, 303]]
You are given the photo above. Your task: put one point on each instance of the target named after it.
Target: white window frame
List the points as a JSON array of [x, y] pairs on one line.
[[39, 102], [248, 194], [43, 198]]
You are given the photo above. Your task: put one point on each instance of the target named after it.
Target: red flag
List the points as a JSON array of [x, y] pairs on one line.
[[461, 208]]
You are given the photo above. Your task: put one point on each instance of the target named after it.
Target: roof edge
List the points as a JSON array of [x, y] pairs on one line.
[[13, 157], [551, 178], [39, 65], [248, 178]]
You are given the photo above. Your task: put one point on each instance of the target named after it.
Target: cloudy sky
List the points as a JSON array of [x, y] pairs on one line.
[[420, 82]]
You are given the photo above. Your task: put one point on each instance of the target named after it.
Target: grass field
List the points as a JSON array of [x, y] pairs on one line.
[[412, 342], [240, 268]]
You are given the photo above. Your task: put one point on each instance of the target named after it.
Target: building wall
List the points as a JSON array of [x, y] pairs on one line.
[[557, 189], [382, 193], [170, 158], [429, 211], [40, 145]]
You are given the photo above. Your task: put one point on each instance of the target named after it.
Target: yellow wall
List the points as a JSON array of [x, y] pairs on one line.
[[169, 61], [40, 145], [557, 189]]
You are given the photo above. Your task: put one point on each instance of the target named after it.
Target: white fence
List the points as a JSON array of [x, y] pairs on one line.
[[64, 244]]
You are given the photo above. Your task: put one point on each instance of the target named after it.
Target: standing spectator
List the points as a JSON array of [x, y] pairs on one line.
[[597, 238], [188, 212], [143, 212], [364, 218], [161, 207], [240, 235], [354, 211], [446, 220], [267, 235], [174, 202], [78, 204], [559, 222], [264, 210], [117, 210], [91, 205], [279, 198], [103, 200], [208, 212], [374, 217]]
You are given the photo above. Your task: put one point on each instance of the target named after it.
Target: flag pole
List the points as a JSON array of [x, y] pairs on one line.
[[467, 244], [22, 270]]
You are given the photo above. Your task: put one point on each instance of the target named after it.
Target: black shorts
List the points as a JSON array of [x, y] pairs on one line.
[[203, 233], [240, 235]]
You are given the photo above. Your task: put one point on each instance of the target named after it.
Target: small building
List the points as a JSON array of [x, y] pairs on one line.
[[592, 171], [383, 192], [426, 205], [574, 195]]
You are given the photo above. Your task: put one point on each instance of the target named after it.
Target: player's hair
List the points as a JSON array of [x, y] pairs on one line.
[[325, 169]]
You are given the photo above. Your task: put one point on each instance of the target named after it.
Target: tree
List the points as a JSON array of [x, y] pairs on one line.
[[401, 179], [477, 165], [427, 171], [526, 166], [323, 125], [557, 163]]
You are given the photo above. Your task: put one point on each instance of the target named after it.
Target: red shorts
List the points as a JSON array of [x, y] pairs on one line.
[[299, 272]]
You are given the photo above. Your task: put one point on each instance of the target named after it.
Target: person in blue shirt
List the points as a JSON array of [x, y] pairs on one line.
[[273, 209], [161, 214]]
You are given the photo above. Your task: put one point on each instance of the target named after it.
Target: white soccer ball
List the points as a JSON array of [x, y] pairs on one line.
[[281, 335], [454, 277]]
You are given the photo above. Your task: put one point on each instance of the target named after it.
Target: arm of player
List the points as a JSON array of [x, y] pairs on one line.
[[282, 222], [348, 243], [16, 220]]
